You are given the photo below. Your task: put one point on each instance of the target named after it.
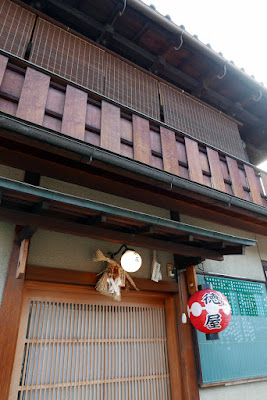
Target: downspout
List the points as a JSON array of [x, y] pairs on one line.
[[95, 153]]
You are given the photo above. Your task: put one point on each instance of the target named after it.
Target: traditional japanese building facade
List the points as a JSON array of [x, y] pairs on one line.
[[118, 127]]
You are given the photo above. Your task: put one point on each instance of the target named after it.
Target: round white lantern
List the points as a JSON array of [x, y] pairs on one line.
[[131, 261]]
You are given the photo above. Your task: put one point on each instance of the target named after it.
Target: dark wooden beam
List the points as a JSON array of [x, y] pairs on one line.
[[74, 277], [75, 173], [138, 34], [26, 232], [60, 225]]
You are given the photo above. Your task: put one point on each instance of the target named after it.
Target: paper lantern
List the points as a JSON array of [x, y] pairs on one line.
[[209, 311]]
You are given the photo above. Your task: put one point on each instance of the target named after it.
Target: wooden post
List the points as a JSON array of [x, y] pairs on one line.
[[23, 255], [191, 278], [187, 345], [9, 320]]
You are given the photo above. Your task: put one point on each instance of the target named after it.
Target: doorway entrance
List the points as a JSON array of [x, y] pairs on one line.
[[75, 344]]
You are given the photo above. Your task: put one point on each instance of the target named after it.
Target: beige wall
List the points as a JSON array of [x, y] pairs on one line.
[[6, 241], [91, 194], [245, 391], [57, 250], [11, 173], [247, 266]]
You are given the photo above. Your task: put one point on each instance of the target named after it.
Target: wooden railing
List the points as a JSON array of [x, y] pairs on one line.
[[40, 97]]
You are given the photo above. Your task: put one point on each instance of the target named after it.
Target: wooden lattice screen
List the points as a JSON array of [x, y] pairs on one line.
[[16, 26], [192, 117], [69, 56], [132, 87], [77, 350]]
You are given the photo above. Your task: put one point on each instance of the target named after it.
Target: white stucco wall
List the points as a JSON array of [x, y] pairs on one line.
[[6, 241]]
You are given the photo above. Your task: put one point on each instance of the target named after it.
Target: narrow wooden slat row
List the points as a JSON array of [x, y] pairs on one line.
[[66, 109]]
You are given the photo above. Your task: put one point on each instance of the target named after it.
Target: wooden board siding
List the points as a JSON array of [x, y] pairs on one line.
[[141, 140], [110, 127], [73, 122], [33, 97], [3, 64], [195, 170], [215, 169], [15, 27], [253, 185], [169, 151], [235, 177]]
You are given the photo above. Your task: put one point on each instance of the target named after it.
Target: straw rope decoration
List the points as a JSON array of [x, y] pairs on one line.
[[113, 277]]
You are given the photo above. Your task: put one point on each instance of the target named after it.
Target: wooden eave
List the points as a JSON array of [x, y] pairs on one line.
[[143, 41], [39, 156], [29, 205]]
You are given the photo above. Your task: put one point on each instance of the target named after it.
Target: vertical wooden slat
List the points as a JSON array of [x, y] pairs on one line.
[[110, 127], [3, 64], [173, 350], [193, 158], [235, 177], [33, 96], [215, 169], [73, 122], [141, 140], [186, 342], [253, 185], [169, 151], [9, 321]]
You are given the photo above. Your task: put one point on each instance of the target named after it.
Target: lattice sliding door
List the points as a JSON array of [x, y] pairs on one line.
[[77, 351]]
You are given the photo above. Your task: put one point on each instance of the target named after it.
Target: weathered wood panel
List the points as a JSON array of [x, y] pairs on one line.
[[169, 151], [215, 169], [141, 140], [9, 321], [253, 185], [192, 152], [73, 122], [110, 127], [33, 97], [3, 64], [235, 177]]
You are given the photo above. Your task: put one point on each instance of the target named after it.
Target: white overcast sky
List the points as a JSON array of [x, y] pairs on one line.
[[237, 28]]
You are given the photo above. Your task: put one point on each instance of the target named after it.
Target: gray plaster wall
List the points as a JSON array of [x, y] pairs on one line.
[[6, 241]]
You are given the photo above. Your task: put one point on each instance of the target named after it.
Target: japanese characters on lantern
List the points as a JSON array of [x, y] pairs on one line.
[[209, 311]]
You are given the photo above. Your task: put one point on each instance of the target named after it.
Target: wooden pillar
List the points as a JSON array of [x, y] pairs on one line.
[[9, 319], [187, 343]]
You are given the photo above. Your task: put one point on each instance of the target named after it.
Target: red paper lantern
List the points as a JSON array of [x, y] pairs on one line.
[[209, 311]]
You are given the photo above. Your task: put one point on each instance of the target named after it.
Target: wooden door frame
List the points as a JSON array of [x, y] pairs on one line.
[[183, 371]]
